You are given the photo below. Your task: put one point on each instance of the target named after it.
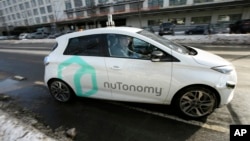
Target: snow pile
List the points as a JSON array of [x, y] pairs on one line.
[[241, 39], [12, 129]]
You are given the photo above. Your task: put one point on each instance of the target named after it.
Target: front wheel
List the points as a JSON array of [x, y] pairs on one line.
[[195, 102], [60, 91]]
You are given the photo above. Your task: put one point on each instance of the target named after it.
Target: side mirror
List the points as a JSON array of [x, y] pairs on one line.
[[156, 56]]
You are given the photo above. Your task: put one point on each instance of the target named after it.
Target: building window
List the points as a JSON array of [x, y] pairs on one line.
[[90, 3], [155, 3], [70, 15], [177, 2], [18, 16], [102, 1], [134, 6], [33, 3], [202, 1], [40, 2], [45, 20], [21, 7], [27, 5], [51, 18], [229, 18], [13, 16], [49, 9], [68, 4], [11, 10], [91, 12], [78, 3], [201, 20], [35, 11], [38, 21], [178, 21], [119, 8], [42, 10], [153, 22], [79, 14], [104, 10]]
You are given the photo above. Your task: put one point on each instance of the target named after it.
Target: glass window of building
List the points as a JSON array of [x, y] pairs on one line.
[[104, 10], [70, 15], [42, 10], [38, 21], [13, 16], [8, 2], [155, 3], [201, 20], [135, 6], [79, 14], [48, 1], [78, 3], [27, 4], [177, 2], [11, 10], [15, 8], [40, 2], [90, 3], [45, 20], [68, 4], [21, 7], [90, 12], [202, 1], [178, 21], [4, 3], [102, 1], [229, 18], [119, 8], [51, 18], [49, 9], [33, 3], [35, 11], [18, 15]]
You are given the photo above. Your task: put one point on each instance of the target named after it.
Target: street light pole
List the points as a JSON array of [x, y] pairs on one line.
[[139, 12]]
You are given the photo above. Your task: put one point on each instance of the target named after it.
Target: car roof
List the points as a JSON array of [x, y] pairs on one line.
[[118, 30]]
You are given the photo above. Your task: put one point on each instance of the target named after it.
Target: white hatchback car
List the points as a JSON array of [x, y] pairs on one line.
[[131, 64]]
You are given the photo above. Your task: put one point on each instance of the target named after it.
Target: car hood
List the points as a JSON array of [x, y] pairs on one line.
[[209, 59]]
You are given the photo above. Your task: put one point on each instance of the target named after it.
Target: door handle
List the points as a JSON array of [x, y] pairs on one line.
[[115, 68]]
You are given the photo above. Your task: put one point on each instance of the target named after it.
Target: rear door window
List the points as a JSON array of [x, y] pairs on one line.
[[90, 45]]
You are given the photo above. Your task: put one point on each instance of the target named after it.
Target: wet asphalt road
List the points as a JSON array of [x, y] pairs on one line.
[[108, 120]]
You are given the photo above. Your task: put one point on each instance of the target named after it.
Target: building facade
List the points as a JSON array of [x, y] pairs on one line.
[[85, 14]]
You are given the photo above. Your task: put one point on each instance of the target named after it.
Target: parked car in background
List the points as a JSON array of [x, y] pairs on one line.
[[241, 26], [200, 29], [166, 29], [37, 35], [23, 36], [222, 27], [55, 35]]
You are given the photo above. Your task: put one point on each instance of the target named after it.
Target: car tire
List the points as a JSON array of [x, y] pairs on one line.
[[61, 91], [195, 102]]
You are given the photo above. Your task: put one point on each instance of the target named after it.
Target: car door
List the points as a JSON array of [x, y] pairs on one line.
[[136, 77], [84, 68]]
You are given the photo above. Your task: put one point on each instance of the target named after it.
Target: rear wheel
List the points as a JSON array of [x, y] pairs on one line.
[[60, 91], [195, 102]]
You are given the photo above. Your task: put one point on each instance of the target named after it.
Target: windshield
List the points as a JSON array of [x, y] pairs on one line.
[[165, 42]]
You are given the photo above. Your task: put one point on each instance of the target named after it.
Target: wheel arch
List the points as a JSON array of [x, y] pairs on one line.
[[198, 85]]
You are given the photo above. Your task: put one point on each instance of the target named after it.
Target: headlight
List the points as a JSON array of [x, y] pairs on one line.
[[46, 60], [223, 69]]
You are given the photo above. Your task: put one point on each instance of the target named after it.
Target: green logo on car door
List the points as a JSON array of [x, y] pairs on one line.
[[84, 69]]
